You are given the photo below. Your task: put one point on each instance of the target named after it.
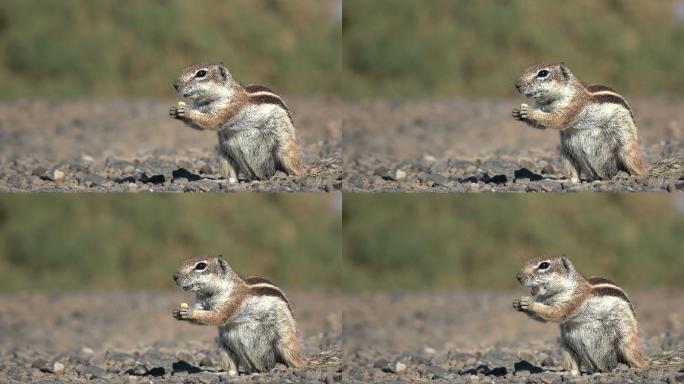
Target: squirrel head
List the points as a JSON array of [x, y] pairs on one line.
[[548, 275], [204, 274], [205, 83], [546, 82]]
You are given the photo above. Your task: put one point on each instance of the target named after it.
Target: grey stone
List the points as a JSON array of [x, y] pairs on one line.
[[548, 362], [548, 169], [206, 362], [96, 180], [39, 171], [97, 372], [435, 179], [206, 169]]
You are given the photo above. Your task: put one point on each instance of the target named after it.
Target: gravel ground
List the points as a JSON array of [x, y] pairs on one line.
[[130, 146], [476, 337], [476, 146], [132, 338]]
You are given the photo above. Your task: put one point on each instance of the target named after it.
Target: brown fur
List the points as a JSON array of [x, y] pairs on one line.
[[269, 291], [269, 99], [612, 99], [214, 121], [599, 88], [290, 351], [558, 312], [292, 159], [558, 119], [256, 280], [253, 88], [610, 291], [631, 351], [593, 280], [221, 314], [633, 159]]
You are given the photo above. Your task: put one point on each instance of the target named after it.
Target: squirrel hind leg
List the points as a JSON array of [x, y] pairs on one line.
[[227, 168], [227, 359], [570, 169], [571, 361]]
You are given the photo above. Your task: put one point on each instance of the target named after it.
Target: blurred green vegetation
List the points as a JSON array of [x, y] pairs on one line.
[[69, 48], [413, 242], [405, 48], [64, 242]]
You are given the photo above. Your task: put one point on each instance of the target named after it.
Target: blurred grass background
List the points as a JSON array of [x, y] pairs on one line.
[[416, 242], [70, 48], [67, 242], [406, 48]]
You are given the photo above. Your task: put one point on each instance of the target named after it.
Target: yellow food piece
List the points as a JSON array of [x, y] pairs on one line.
[[183, 305]]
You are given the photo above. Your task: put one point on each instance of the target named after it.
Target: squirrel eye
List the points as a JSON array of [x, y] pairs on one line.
[[201, 73], [200, 266], [543, 265], [543, 73]]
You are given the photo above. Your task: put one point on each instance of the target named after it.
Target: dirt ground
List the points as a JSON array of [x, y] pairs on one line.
[[476, 146], [132, 338], [133, 145], [476, 337]]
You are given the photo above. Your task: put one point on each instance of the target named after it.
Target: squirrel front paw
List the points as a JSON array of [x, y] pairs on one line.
[[182, 312], [522, 113], [522, 304], [178, 112]]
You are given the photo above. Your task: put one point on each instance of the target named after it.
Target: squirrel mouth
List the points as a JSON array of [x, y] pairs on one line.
[[185, 287], [534, 291]]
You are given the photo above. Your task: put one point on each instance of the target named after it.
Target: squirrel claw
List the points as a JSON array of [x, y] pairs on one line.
[[182, 313], [522, 113], [177, 112], [521, 304]]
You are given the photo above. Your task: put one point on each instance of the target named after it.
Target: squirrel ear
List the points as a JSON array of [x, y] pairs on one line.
[[223, 264], [224, 71], [569, 268], [565, 71]]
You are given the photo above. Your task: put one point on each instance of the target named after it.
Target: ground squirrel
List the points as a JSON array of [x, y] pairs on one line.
[[597, 130], [256, 328], [597, 322], [255, 129]]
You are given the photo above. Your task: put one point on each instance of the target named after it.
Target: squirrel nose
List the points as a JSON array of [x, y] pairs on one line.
[[518, 84], [176, 276], [519, 276], [176, 85]]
